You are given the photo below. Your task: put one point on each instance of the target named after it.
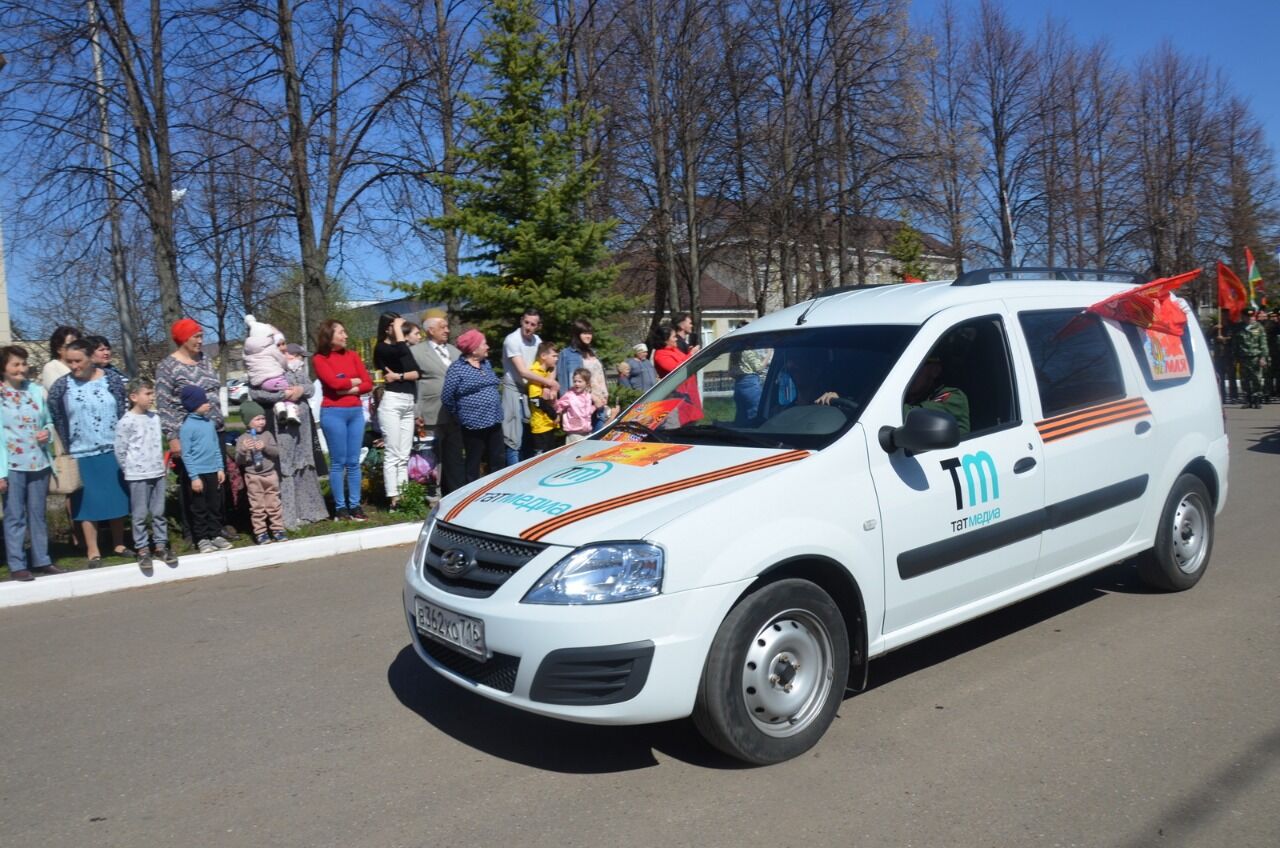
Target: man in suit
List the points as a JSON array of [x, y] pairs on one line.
[[433, 355]]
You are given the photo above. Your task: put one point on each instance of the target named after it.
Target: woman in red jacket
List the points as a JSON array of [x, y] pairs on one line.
[[667, 357], [343, 379]]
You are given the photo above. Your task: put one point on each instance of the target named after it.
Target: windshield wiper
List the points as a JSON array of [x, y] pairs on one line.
[[730, 433], [637, 427]]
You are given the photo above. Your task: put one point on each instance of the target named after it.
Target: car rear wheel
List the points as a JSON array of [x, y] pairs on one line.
[[1184, 538], [775, 674]]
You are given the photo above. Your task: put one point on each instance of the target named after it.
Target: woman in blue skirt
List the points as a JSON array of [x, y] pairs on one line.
[[86, 405]]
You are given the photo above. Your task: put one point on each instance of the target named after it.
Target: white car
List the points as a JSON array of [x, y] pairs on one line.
[[790, 503], [237, 390]]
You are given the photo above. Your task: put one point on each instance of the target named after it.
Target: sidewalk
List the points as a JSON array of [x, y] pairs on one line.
[[113, 578]]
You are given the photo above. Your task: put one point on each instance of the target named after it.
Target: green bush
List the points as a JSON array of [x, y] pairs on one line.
[[413, 500]]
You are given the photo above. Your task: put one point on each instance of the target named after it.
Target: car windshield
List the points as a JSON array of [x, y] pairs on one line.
[[799, 388]]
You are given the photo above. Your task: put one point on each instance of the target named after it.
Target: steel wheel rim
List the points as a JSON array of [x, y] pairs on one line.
[[787, 673], [1190, 534]]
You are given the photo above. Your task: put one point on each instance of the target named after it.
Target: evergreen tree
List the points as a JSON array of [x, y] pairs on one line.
[[521, 202], [906, 249]]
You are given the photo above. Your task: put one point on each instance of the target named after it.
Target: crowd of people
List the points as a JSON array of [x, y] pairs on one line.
[[108, 442], [1247, 358]]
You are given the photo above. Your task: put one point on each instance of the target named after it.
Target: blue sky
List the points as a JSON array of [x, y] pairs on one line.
[[1236, 35]]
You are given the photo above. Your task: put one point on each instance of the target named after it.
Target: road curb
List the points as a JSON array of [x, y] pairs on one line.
[[77, 584]]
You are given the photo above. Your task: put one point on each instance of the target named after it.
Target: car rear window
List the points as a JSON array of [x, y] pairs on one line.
[[1074, 367]]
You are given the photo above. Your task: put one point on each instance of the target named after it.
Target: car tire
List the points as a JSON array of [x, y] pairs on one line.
[[1184, 538], [775, 674]]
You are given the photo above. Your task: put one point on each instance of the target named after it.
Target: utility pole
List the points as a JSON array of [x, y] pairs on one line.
[[124, 302], [6, 329]]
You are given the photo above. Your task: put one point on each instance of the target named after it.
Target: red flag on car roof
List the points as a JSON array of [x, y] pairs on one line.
[[1149, 306], [1231, 293]]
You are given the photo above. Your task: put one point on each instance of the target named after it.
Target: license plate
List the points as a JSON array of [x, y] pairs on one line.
[[452, 628]]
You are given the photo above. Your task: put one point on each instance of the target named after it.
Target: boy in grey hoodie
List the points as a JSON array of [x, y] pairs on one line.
[[140, 452]]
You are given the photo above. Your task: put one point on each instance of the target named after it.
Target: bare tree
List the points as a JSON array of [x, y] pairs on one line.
[[949, 190], [1003, 102], [80, 75]]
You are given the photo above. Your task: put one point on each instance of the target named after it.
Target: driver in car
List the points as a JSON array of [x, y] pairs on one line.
[[926, 391]]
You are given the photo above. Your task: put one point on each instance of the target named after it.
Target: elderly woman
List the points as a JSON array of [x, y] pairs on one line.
[[86, 405], [470, 393], [301, 462], [56, 367], [24, 466]]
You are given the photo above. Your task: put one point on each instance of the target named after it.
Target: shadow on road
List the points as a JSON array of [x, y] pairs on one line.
[[1119, 578], [544, 743], [1266, 440], [562, 746], [1181, 819]]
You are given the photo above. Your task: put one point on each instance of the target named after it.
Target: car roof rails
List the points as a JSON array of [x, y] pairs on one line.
[[981, 276]]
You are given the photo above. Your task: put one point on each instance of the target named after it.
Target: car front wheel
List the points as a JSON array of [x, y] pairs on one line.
[[775, 674]]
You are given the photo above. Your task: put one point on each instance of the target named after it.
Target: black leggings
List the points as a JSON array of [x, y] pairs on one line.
[[484, 444]]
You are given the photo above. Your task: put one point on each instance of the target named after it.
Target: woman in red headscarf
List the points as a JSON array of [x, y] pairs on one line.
[[186, 366]]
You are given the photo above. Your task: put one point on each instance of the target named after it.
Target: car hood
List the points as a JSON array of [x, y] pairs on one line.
[[595, 490]]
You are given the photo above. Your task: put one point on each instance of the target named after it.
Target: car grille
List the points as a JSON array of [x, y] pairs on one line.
[[484, 564], [497, 672]]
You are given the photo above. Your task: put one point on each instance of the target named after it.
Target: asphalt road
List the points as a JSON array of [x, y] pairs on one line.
[[283, 707]]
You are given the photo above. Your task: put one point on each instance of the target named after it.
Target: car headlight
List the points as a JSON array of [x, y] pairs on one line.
[[601, 574], [424, 536]]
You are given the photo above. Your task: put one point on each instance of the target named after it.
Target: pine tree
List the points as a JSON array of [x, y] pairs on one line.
[[906, 249], [523, 198]]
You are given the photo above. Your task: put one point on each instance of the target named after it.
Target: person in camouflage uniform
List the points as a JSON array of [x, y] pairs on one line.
[[1251, 352], [1273, 351], [927, 392]]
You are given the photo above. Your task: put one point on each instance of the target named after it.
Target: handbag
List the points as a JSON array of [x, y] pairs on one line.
[[66, 472]]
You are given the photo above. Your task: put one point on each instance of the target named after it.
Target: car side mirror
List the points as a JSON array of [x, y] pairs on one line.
[[924, 430]]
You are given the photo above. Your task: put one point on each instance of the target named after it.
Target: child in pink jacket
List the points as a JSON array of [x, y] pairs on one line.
[[576, 407]]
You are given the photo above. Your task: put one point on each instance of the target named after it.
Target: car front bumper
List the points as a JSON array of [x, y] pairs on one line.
[[645, 657]]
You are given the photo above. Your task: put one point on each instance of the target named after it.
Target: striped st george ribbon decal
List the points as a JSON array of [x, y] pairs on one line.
[[1091, 418], [541, 529], [471, 498]]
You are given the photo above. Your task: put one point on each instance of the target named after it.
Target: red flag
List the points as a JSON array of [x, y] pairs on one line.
[[1231, 293], [1148, 306], [907, 278]]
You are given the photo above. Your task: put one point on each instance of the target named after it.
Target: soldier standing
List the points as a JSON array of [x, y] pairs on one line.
[[1251, 351]]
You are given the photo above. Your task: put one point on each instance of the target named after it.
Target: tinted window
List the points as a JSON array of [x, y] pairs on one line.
[[1074, 366]]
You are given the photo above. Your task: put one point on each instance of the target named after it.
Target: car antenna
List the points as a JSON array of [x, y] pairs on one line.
[[807, 310]]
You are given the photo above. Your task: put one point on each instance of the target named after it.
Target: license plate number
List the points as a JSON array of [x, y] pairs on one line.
[[452, 628]]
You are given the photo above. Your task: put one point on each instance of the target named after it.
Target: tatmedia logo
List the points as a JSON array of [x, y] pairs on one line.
[[575, 474], [980, 477]]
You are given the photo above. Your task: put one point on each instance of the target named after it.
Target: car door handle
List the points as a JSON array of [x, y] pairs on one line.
[[1025, 464], [1141, 427]]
